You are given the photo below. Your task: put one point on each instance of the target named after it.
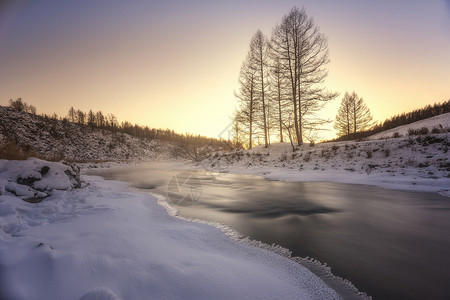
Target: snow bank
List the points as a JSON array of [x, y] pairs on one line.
[[34, 179], [105, 241], [416, 163]]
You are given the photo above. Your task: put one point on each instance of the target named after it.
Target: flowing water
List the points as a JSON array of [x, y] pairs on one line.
[[389, 244]]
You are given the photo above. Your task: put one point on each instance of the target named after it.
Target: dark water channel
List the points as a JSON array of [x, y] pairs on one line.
[[389, 244]]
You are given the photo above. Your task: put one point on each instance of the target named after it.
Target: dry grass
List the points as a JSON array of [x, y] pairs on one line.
[[12, 151]]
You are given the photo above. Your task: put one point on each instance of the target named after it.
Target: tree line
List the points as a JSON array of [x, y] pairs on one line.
[[400, 120], [281, 84], [189, 145]]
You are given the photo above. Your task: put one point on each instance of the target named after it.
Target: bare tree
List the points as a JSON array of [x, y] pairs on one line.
[[91, 118], [238, 132], [362, 118], [247, 98], [343, 123], [279, 96], [81, 116], [100, 119], [112, 122], [259, 56], [72, 114], [353, 115], [303, 54], [18, 104]]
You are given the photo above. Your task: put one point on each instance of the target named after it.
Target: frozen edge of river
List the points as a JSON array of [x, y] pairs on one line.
[[343, 287]]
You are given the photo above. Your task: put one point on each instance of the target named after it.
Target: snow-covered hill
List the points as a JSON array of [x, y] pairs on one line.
[[417, 162], [54, 139], [436, 123]]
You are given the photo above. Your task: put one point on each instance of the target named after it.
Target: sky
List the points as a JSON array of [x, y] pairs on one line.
[[175, 64]]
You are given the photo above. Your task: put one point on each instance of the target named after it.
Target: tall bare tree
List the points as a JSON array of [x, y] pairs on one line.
[[303, 54], [279, 96], [259, 56], [247, 98]]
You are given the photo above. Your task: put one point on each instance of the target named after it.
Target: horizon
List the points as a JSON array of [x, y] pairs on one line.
[[175, 65]]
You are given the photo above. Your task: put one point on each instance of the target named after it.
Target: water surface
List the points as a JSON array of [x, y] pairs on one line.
[[389, 244]]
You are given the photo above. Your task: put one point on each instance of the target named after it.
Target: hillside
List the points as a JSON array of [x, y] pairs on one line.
[[436, 123], [55, 139], [416, 162]]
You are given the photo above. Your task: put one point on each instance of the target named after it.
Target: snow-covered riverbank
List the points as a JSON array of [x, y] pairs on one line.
[[392, 159], [409, 163], [105, 241]]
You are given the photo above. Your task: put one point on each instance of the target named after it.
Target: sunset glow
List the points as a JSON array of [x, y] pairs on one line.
[[175, 64]]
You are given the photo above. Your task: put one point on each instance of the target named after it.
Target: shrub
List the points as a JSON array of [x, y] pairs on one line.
[[411, 131], [424, 130], [435, 130], [307, 157], [396, 135]]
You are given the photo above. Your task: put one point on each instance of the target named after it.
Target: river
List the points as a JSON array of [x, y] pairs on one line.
[[389, 244]]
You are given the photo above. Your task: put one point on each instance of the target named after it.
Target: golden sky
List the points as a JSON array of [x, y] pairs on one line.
[[175, 64]]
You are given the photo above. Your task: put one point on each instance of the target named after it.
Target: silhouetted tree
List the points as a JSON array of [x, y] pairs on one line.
[[279, 96], [259, 56], [238, 132], [91, 118], [99, 120], [17, 104], [353, 115], [21, 105], [247, 98], [303, 54], [81, 116], [343, 123], [72, 114], [361, 117]]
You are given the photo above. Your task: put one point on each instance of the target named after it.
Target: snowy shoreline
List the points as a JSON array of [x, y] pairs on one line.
[[107, 241], [419, 164], [400, 183]]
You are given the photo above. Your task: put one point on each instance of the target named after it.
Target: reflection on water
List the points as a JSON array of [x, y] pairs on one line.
[[390, 244]]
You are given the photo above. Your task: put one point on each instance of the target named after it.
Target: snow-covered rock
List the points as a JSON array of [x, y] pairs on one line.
[[35, 179]]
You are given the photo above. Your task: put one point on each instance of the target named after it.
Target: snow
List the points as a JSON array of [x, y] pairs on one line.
[[106, 241], [35, 178], [412, 163], [439, 121]]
